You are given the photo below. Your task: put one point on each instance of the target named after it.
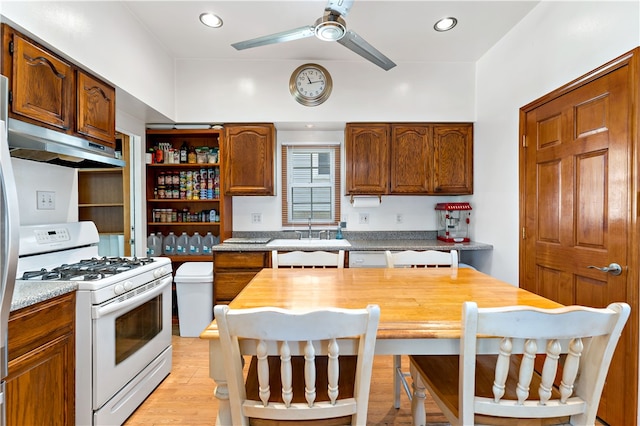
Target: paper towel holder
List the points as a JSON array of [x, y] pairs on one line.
[[353, 195]]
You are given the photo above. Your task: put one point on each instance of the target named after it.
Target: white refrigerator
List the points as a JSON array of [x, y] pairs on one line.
[[9, 239]]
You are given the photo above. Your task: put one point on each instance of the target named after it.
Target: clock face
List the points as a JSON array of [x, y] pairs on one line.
[[310, 84]]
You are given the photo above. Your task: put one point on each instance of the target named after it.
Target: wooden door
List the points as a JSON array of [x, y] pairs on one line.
[[578, 187], [367, 157], [411, 151]]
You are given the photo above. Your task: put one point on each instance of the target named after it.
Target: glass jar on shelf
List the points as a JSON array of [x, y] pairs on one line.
[[192, 157]]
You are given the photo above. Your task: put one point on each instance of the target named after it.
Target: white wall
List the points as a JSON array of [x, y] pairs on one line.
[[554, 44], [259, 92], [32, 177]]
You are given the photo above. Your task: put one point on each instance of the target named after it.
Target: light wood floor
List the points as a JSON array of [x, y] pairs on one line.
[[185, 397]]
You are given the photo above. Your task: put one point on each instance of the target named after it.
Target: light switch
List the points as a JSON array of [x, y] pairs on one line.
[[46, 200]]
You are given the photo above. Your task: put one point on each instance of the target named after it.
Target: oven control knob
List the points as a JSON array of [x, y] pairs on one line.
[[159, 272], [118, 289], [128, 285]]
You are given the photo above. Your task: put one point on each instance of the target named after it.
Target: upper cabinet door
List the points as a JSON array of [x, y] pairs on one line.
[[42, 85], [96, 109], [367, 155], [411, 149], [248, 152], [453, 159]]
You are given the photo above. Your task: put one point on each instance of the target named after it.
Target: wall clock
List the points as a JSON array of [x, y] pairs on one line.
[[310, 84]]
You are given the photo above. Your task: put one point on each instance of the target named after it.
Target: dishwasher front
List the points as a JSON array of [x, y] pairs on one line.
[[367, 259]]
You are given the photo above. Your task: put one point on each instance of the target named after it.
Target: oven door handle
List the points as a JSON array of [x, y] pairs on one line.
[[101, 311]]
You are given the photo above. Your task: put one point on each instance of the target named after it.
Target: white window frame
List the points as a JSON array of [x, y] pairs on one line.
[[288, 150]]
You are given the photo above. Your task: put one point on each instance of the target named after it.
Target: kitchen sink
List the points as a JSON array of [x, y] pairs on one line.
[[305, 242]]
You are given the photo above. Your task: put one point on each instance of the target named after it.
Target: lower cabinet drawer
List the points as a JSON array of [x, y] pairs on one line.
[[232, 271], [36, 325], [239, 260]]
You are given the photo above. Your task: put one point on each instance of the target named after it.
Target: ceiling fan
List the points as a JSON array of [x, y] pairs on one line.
[[330, 27]]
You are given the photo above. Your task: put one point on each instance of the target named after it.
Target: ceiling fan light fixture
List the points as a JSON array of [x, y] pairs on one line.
[[330, 28], [445, 24], [211, 20]]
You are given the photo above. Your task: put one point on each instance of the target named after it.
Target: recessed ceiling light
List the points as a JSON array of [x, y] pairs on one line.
[[211, 20], [445, 24], [309, 126]]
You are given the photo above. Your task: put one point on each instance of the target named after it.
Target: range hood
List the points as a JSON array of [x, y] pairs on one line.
[[31, 142]]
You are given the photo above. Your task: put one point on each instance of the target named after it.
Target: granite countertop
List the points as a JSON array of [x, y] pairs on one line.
[[360, 241], [27, 293]]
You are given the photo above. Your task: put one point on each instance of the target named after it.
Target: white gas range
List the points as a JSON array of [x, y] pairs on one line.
[[123, 316]]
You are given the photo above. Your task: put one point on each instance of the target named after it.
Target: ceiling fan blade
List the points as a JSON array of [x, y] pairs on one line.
[[295, 34], [340, 6], [354, 42]]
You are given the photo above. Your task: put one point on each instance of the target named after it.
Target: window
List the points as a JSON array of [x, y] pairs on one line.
[[310, 184]]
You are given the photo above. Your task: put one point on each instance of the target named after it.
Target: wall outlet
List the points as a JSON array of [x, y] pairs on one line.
[[256, 217], [46, 200], [364, 218], [399, 218]]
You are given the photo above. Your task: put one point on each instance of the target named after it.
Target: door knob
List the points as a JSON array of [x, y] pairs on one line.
[[613, 269]]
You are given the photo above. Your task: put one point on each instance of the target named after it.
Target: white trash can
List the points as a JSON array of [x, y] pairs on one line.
[[194, 288]]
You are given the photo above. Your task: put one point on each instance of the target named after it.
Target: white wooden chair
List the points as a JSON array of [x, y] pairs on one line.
[[414, 259], [422, 259], [278, 338], [307, 259], [576, 343]]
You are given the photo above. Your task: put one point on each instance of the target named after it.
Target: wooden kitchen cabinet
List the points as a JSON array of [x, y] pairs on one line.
[[232, 271], [103, 198], [49, 91], [181, 207], [248, 154], [367, 152], [409, 158], [40, 386]]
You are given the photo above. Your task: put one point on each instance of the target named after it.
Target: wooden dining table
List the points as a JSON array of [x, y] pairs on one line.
[[420, 308]]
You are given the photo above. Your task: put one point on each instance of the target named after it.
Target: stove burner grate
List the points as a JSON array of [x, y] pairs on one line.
[[88, 269]]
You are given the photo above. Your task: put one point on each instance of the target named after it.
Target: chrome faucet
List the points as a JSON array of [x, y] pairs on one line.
[[309, 227]]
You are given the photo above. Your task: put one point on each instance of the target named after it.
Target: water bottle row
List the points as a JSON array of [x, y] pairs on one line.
[[196, 244]]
